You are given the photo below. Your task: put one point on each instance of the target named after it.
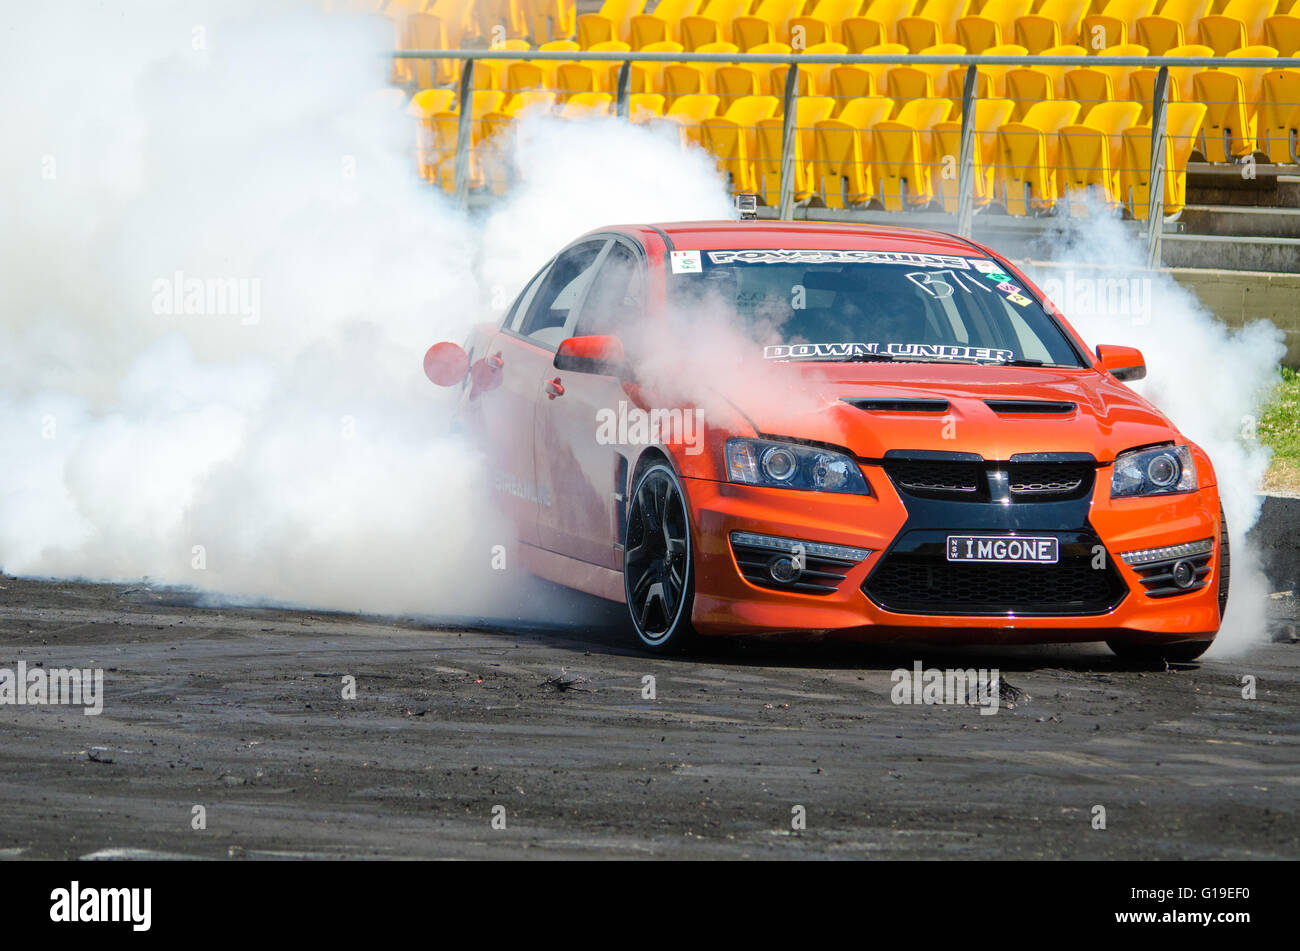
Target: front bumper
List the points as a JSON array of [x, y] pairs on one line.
[[727, 603]]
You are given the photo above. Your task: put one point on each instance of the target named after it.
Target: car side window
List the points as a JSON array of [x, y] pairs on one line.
[[616, 298], [515, 315], [559, 292]]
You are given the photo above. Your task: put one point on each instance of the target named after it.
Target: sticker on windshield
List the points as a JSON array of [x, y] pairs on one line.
[[1009, 287], [804, 256], [984, 266], [997, 276], [1019, 300], [797, 351], [686, 262]]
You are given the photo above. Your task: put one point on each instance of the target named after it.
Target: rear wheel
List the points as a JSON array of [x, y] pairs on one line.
[[658, 562]]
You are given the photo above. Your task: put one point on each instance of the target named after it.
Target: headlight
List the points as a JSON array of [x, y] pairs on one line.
[[790, 466], [1153, 472]]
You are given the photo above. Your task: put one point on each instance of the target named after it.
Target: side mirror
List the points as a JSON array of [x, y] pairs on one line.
[[591, 355], [1123, 363], [446, 364]]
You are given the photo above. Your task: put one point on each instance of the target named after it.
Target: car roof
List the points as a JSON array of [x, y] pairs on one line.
[[704, 235]]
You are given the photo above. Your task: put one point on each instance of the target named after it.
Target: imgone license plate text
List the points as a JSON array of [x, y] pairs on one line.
[[1035, 551]]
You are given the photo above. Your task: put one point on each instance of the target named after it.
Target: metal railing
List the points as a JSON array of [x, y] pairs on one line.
[[966, 160]]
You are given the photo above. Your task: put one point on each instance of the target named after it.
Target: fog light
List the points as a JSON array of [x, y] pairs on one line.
[[782, 569], [1184, 574]]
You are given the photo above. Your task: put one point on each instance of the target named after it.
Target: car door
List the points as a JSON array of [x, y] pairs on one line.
[[521, 356], [575, 454]]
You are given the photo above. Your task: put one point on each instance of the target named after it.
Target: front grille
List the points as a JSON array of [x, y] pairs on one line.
[[819, 576], [989, 481], [937, 478], [1049, 478], [1158, 576], [918, 579]]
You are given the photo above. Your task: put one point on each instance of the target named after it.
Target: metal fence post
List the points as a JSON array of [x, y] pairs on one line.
[[464, 131], [966, 161], [1156, 178], [789, 129], [622, 93]]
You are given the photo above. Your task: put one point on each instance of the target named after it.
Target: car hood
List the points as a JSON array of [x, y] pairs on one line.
[[873, 408]]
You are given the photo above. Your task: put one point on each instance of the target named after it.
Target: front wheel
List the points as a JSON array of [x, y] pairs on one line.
[[658, 562]]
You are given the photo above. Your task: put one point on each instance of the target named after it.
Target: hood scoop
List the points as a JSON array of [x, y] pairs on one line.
[[900, 404], [1031, 407]]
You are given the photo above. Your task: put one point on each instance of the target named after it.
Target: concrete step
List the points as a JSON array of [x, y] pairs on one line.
[[1241, 220], [1231, 252]]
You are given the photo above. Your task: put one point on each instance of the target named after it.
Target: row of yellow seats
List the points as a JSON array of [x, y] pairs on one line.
[[909, 160], [1035, 24]]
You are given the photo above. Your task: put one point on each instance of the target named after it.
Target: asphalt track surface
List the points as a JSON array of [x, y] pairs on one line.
[[240, 711]]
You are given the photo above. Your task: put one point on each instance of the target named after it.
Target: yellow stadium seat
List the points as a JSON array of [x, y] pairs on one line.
[[901, 154], [591, 76], [689, 111], [875, 25], [909, 82], [712, 24], [681, 79], [1282, 31], [1057, 73], [1056, 23], [648, 76], [643, 107], [1241, 23], [1028, 154], [1119, 75], [934, 22], [430, 150], [482, 102], [990, 79], [877, 70], [1142, 88], [550, 19], [497, 137], [1230, 96], [842, 152], [769, 23], [994, 25], [1109, 26], [939, 72], [735, 80], [924, 113], [990, 114], [1026, 85], [767, 159], [819, 74], [612, 22], [732, 139], [587, 105], [1183, 122], [661, 25], [824, 23], [849, 83], [1090, 154], [1180, 77], [424, 31], [1279, 113], [1174, 23]]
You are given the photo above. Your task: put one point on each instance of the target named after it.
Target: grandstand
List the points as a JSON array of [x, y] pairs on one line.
[[995, 118]]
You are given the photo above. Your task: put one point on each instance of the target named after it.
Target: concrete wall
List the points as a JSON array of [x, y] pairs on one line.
[[1238, 297]]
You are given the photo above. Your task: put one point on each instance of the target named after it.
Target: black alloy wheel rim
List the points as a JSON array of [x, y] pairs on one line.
[[656, 561]]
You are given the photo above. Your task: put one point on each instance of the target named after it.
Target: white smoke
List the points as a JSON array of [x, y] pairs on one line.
[[1209, 379], [221, 274]]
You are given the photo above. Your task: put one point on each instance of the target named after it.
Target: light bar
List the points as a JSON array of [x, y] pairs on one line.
[[813, 549], [1146, 556]]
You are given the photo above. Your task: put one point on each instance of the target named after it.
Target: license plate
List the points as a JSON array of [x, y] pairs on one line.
[[1023, 550]]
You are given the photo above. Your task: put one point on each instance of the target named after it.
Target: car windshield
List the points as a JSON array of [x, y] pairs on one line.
[[874, 305]]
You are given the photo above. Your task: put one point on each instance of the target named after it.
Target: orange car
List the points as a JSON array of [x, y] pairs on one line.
[[878, 433]]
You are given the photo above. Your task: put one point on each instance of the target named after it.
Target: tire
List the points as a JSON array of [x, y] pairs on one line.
[[1225, 565], [1151, 653], [659, 562]]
